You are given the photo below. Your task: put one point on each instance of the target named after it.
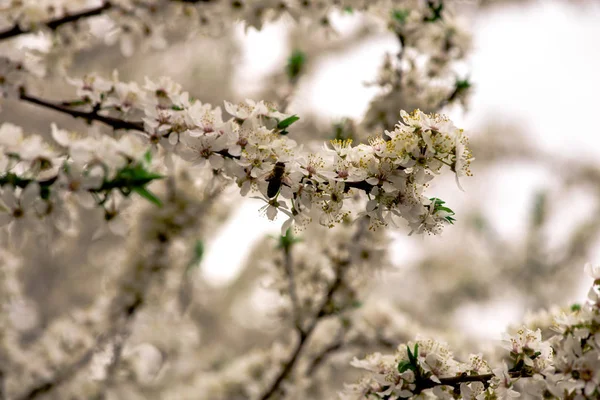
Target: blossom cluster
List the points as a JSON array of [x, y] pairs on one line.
[[75, 352], [208, 16], [564, 365], [254, 150], [65, 26], [42, 183], [427, 72]]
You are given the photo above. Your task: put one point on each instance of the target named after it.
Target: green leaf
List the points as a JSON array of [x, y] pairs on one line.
[[198, 254], [438, 206], [288, 240], [576, 307], [436, 10], [198, 250], [348, 10], [287, 122], [462, 84], [148, 156], [343, 130], [356, 304], [404, 366], [296, 64], [540, 209], [411, 357], [135, 175], [400, 15], [148, 195]]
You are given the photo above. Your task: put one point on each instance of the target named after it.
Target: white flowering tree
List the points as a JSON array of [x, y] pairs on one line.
[[104, 223]]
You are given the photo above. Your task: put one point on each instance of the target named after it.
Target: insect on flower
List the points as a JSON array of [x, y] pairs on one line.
[[275, 179]]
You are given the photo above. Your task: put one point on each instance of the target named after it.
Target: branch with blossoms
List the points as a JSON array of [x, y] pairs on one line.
[[53, 24], [71, 17], [305, 333], [161, 228], [337, 297], [134, 22], [564, 365], [42, 183], [422, 72], [393, 169]]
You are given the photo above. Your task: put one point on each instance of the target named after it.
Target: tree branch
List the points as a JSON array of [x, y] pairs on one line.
[[455, 381], [89, 116], [117, 123], [2, 394], [53, 24], [319, 359], [304, 335], [129, 310], [322, 311], [288, 264]]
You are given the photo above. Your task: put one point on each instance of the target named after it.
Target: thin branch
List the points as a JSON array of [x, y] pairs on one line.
[[455, 381], [288, 264], [322, 311], [89, 116], [341, 344], [400, 55], [53, 24], [125, 305], [318, 360], [117, 123], [2, 392], [42, 388], [304, 335]]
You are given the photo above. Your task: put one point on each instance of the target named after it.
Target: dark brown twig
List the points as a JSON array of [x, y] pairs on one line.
[[89, 116], [53, 24], [455, 381]]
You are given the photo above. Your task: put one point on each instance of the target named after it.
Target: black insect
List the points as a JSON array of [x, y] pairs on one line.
[[275, 179]]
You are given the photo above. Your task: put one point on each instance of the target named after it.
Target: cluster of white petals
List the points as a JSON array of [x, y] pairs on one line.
[[63, 27], [253, 149], [563, 365], [424, 73], [43, 184]]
